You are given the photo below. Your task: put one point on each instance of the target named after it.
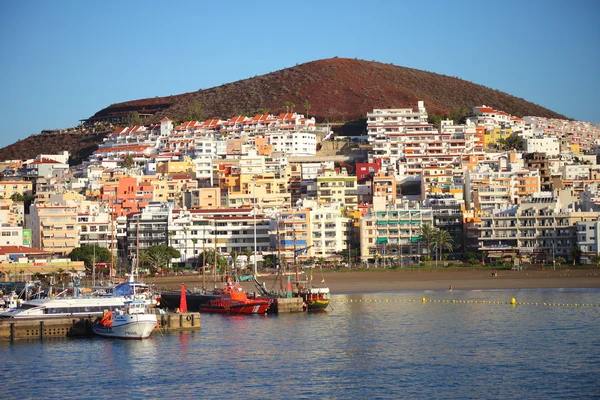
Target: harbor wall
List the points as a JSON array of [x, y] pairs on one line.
[[12, 329], [288, 305]]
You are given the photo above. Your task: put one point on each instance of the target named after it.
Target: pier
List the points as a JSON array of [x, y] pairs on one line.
[[287, 305], [12, 329]]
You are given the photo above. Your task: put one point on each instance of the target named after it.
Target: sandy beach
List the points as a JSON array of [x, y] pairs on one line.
[[390, 280]]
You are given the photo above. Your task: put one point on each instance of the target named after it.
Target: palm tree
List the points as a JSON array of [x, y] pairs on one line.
[[307, 106], [234, 256], [194, 242], [441, 241], [427, 232], [575, 253], [248, 252]]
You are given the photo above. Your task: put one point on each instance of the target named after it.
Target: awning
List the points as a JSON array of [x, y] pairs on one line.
[[382, 240], [382, 222]]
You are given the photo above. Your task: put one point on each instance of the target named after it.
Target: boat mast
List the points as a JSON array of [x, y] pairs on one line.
[[294, 233], [279, 253], [203, 256], [112, 239], [137, 247], [215, 255]]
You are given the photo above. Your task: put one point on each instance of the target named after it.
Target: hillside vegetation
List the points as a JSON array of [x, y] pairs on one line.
[[332, 90]]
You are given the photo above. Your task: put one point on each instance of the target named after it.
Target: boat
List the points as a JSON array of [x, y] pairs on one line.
[[133, 321], [233, 300], [84, 306], [9, 302], [194, 298], [55, 307], [132, 290], [314, 298]]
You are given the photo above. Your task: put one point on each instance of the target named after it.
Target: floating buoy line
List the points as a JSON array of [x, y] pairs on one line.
[[512, 302]]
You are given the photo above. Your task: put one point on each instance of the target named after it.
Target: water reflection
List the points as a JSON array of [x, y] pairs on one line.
[[464, 344]]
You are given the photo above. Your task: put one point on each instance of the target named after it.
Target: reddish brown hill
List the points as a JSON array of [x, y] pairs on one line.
[[338, 89]]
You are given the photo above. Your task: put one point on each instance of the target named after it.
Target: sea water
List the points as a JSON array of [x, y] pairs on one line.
[[460, 344]]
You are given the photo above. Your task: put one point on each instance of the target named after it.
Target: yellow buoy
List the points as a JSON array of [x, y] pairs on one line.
[[513, 301], [424, 300]]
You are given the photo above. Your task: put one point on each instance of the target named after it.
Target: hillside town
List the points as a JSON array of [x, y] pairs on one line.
[[276, 190]]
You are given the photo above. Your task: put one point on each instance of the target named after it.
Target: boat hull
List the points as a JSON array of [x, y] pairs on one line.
[[317, 305], [138, 326], [193, 300], [231, 308], [315, 298]]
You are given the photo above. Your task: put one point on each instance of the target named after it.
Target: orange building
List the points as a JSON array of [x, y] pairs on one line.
[[126, 196]]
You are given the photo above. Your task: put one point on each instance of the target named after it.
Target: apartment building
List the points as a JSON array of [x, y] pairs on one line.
[[10, 187], [384, 121], [291, 234], [53, 227], [391, 232], [336, 186], [588, 240], [539, 229], [148, 227], [331, 231], [548, 145], [486, 189], [540, 162], [228, 229]]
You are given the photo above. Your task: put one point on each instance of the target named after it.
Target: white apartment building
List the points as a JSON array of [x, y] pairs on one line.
[[383, 121], [11, 236], [548, 144], [331, 231], [588, 239], [293, 143], [572, 172]]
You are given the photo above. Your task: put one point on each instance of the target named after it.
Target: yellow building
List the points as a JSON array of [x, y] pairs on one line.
[[176, 167], [8, 188], [494, 134], [53, 227]]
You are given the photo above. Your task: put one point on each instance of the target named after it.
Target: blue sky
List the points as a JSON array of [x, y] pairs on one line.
[[65, 60]]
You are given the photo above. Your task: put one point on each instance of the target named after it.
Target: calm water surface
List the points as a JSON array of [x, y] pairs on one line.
[[378, 346]]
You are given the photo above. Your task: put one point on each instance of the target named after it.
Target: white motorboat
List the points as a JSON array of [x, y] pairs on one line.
[[84, 306], [65, 307], [9, 302], [133, 321]]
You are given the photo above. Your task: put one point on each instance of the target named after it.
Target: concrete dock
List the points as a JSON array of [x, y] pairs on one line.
[[12, 329]]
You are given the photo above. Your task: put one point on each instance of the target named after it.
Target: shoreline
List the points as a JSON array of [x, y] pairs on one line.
[[372, 281]]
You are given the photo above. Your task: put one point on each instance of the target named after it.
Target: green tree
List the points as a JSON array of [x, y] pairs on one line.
[[307, 107], [441, 241], [289, 106], [195, 111], [427, 232], [128, 161], [88, 253], [157, 257], [194, 242], [596, 260], [234, 256], [248, 252], [133, 119]]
